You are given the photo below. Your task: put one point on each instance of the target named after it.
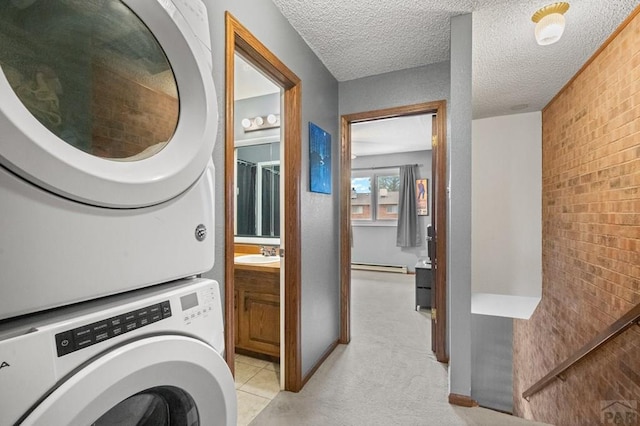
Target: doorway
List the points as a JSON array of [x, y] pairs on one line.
[[438, 109], [239, 41]]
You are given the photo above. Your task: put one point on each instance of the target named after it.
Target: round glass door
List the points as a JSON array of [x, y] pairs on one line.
[[163, 405], [107, 102], [159, 380], [92, 73]]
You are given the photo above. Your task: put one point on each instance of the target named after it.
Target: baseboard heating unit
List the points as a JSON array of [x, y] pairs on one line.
[[399, 269]]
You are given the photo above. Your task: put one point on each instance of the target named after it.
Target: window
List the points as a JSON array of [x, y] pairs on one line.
[[374, 196], [361, 198], [388, 187]]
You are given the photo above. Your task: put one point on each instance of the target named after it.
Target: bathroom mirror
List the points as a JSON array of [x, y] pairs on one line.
[[258, 190]]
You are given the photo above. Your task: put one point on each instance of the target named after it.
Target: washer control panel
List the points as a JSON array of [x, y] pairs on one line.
[[197, 304], [81, 337]]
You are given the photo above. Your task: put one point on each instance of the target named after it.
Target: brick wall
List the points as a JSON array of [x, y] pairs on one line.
[[128, 117], [590, 241]]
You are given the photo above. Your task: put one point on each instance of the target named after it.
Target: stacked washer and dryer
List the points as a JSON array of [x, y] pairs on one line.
[[108, 118]]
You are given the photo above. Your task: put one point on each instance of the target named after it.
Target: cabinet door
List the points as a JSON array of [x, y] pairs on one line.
[[236, 309], [261, 325]]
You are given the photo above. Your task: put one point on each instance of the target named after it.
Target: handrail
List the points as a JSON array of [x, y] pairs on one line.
[[625, 322]]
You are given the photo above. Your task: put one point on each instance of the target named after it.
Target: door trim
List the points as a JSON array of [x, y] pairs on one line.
[[240, 40], [440, 210]]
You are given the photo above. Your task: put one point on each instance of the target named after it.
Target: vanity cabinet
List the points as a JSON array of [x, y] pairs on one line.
[[257, 310]]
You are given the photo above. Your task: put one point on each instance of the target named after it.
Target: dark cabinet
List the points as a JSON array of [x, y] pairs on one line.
[[424, 282]]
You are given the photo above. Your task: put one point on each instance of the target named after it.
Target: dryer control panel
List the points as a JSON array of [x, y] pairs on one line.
[[96, 332]]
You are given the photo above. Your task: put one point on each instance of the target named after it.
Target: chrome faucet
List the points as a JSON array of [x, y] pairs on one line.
[[269, 250]]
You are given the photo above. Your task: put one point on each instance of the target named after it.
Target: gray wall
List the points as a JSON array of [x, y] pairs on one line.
[[459, 209], [398, 88], [377, 244], [492, 360], [320, 231]]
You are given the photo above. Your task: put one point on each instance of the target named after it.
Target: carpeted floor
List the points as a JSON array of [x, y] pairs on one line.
[[387, 375]]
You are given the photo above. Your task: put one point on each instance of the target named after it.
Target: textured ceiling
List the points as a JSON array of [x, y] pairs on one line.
[[407, 133], [359, 39]]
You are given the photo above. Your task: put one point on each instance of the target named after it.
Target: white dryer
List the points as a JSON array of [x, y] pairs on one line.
[[148, 357], [108, 118]]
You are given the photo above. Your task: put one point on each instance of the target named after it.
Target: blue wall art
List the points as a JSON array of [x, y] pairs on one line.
[[319, 160]]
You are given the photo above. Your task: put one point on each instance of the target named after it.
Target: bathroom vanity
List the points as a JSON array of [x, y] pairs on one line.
[[257, 307]]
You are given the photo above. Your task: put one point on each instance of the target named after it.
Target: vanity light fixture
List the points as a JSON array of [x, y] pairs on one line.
[[272, 119], [260, 122], [550, 23]]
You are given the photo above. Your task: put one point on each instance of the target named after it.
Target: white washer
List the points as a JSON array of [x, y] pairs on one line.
[[108, 118], [150, 357]]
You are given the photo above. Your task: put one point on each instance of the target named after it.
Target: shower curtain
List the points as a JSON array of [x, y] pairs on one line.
[[246, 199]]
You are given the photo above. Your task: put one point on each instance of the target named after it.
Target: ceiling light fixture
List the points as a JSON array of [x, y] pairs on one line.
[[550, 23]]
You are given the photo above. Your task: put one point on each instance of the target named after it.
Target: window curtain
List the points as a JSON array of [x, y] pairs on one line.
[[246, 199], [408, 231]]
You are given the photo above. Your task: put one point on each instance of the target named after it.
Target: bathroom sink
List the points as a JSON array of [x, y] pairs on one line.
[[255, 259]]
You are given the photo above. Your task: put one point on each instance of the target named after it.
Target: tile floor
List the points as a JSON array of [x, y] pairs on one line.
[[257, 383]]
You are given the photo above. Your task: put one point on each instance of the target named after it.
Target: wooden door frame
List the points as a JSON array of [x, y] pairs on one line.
[[440, 210], [240, 40]]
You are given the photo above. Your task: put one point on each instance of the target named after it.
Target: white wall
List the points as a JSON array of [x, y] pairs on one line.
[[507, 212]]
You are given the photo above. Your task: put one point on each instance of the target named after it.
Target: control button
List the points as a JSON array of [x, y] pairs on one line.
[[81, 333], [155, 309], [64, 343], [84, 342], [115, 321], [166, 309], [99, 327], [131, 326], [102, 336], [115, 331], [155, 317], [144, 321], [143, 313], [131, 316]]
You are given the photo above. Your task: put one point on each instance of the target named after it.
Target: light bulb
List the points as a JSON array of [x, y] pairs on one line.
[[272, 119], [258, 121], [246, 123], [549, 29]]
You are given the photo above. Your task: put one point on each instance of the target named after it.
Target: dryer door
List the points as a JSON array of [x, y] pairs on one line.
[[161, 380], [109, 103]]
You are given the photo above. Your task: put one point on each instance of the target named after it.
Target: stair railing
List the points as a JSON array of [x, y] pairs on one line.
[[625, 322]]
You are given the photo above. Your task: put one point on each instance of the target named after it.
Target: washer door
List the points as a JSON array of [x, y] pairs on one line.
[[161, 380], [109, 103]]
